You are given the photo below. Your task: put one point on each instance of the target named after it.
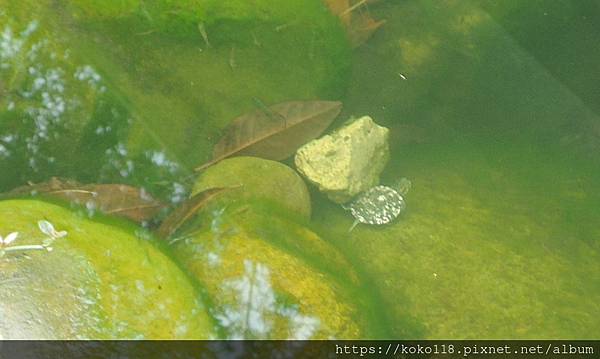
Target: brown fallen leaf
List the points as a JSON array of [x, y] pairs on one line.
[[187, 210], [359, 24], [276, 132], [32, 189], [337, 7], [362, 27], [124, 201], [116, 199]]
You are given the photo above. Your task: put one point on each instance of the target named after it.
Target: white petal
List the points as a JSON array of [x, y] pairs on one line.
[[60, 234], [46, 227], [11, 237]]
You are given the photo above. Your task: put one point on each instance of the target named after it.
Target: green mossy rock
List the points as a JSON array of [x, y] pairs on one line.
[[48, 97], [176, 15], [257, 179], [101, 281], [269, 278], [143, 96], [189, 68]]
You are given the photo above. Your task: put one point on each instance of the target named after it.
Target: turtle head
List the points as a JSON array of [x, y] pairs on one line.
[[403, 185]]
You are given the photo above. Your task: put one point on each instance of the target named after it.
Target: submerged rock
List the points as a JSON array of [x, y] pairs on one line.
[[257, 179], [218, 56], [136, 93], [64, 276], [47, 100], [347, 162], [269, 278]]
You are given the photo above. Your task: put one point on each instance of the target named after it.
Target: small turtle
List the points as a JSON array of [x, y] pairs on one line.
[[379, 205]]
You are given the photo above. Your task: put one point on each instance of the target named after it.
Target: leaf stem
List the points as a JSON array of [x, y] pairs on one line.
[[353, 7], [33, 247]]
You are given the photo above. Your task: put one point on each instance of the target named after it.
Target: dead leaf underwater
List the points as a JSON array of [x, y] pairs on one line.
[[115, 199], [276, 132], [187, 210], [360, 26]]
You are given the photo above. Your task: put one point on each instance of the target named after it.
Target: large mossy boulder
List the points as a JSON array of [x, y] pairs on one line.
[[104, 279], [253, 179], [270, 278], [48, 97], [147, 87]]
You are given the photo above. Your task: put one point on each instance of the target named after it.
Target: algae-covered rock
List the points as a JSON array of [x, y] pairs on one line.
[[137, 92], [101, 280], [347, 162], [270, 278], [253, 178], [188, 68], [48, 97]]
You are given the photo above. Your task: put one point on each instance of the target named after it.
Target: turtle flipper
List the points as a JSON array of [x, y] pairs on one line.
[[356, 221], [403, 186]]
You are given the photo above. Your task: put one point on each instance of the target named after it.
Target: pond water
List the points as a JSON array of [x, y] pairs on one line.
[[493, 110]]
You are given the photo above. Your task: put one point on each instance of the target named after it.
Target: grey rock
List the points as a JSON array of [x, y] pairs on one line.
[[347, 162]]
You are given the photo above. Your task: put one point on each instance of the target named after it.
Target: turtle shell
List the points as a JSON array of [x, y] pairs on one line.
[[378, 205]]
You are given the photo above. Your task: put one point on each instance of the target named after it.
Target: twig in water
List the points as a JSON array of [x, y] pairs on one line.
[[353, 7]]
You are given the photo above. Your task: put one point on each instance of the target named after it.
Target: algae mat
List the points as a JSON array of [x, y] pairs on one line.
[[500, 237], [103, 279], [493, 245]]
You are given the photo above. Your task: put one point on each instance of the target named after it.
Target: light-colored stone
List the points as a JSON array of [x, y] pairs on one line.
[[347, 162]]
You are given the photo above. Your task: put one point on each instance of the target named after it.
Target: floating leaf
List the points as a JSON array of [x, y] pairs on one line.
[[276, 132], [117, 199], [187, 210]]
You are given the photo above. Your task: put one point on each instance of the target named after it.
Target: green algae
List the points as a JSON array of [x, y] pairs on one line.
[[252, 179], [166, 92], [207, 84], [262, 286], [499, 239], [46, 99], [102, 280], [479, 252]]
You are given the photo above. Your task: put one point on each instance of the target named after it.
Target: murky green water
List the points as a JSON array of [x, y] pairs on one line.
[[493, 112]]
